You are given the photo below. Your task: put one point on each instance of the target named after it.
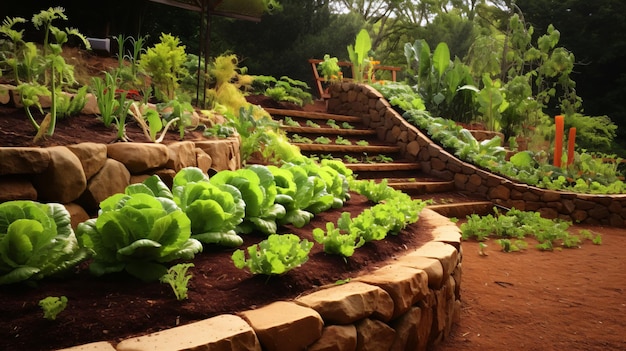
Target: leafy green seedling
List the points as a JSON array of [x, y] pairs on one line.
[[362, 143], [336, 242], [178, 279], [511, 246], [312, 124], [342, 141], [597, 240], [350, 159], [481, 249], [333, 124], [288, 121], [384, 159], [275, 255], [52, 306], [322, 140], [297, 138], [346, 125]]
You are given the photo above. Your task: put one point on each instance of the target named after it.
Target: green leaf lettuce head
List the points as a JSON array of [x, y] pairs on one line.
[[258, 190], [36, 240], [215, 211], [137, 232]]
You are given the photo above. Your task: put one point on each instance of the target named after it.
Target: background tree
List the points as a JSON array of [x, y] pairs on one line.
[[594, 32]]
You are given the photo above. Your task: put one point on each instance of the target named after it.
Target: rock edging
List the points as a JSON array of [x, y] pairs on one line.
[[362, 100], [411, 303], [80, 176]]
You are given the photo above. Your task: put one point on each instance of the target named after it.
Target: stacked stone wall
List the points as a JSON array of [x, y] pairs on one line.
[[80, 176], [409, 304], [363, 101]]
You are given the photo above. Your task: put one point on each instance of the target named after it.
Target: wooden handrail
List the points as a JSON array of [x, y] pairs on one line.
[[319, 80]]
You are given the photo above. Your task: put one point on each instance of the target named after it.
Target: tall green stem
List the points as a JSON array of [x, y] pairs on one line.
[[53, 107]]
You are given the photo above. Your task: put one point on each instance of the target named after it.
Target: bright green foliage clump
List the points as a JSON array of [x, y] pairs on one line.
[[178, 279], [36, 240], [138, 231], [165, 64], [275, 255], [52, 306], [513, 226], [283, 89], [372, 190], [393, 212], [335, 242]]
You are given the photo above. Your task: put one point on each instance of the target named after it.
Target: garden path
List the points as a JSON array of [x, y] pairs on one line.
[[570, 299]]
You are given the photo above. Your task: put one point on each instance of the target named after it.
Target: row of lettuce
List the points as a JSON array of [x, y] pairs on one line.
[[141, 230]]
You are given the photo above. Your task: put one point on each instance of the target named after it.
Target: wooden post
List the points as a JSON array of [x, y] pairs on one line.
[[558, 141], [571, 142]]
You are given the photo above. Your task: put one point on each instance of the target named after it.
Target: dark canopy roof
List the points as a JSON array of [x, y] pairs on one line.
[[250, 10]]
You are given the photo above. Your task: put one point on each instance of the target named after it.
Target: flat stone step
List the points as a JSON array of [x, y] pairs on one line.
[[348, 148], [383, 167], [422, 187], [463, 209], [329, 131], [312, 115]]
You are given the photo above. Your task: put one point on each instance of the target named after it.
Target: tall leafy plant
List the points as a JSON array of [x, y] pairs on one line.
[[440, 82], [165, 64], [358, 54], [59, 72]]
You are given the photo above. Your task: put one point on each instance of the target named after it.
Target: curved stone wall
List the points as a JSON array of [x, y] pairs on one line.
[[364, 101], [409, 304]]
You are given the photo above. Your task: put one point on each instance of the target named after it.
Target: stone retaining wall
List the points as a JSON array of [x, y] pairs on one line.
[[364, 101], [80, 176], [409, 304]]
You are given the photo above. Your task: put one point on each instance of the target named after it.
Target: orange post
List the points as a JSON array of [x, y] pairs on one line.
[[559, 122], [571, 142]]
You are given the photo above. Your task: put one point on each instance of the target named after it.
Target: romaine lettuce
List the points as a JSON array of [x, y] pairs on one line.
[[137, 232], [36, 240], [258, 190], [214, 210]]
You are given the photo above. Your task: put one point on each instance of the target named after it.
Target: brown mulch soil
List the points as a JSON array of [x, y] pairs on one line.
[[117, 306], [572, 299]]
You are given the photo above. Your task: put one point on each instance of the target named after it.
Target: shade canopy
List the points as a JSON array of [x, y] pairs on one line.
[[250, 10]]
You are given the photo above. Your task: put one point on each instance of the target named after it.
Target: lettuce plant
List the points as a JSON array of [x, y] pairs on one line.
[[138, 231], [178, 279], [275, 255], [258, 191], [290, 191], [36, 240], [336, 242], [52, 306], [215, 211]]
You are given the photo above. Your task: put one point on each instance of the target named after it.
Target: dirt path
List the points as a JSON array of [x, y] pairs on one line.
[[532, 300]]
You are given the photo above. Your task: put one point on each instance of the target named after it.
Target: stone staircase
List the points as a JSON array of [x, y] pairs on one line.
[[324, 135]]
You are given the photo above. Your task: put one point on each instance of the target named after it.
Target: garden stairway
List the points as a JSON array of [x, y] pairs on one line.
[[324, 135]]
